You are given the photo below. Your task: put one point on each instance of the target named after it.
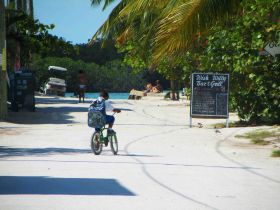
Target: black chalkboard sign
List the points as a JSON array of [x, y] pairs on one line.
[[209, 96]]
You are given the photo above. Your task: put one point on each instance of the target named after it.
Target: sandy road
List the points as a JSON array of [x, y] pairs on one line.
[[46, 162]]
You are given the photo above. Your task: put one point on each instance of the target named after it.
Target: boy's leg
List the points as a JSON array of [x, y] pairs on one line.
[[97, 129], [110, 120]]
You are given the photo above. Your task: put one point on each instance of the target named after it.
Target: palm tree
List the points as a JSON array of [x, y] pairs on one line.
[[167, 27], [3, 84]]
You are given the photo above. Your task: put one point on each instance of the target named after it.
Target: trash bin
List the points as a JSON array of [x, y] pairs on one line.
[[22, 91]]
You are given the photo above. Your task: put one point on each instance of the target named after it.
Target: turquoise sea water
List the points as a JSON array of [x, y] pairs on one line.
[[95, 95]]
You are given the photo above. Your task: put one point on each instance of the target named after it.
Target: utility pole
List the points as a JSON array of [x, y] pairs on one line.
[[3, 63]]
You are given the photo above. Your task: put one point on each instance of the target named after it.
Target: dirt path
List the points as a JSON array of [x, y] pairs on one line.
[[46, 162]]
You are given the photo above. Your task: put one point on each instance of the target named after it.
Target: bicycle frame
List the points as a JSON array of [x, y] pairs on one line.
[[99, 139], [103, 138]]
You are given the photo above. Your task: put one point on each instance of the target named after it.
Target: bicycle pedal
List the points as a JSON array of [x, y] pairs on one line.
[[106, 143]]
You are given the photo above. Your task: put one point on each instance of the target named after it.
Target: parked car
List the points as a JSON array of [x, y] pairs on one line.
[[54, 85]]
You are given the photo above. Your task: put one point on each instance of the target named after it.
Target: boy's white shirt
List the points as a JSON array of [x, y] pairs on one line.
[[108, 104]]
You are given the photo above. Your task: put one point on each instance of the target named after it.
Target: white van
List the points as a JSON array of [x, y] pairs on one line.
[[55, 86]]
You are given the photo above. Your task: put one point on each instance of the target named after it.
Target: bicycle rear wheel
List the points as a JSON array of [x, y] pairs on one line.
[[96, 145], [113, 143]]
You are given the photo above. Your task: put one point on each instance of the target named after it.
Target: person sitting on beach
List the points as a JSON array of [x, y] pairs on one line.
[[157, 88], [103, 99], [149, 88]]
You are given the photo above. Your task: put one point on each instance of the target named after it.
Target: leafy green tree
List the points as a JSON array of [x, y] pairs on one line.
[[33, 37], [113, 76], [237, 47], [191, 39], [99, 52], [156, 34]]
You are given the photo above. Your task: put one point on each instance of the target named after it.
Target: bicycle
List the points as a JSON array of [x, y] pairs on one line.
[[98, 139]]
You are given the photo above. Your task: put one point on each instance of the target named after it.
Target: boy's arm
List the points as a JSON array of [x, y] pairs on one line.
[[117, 110], [110, 108]]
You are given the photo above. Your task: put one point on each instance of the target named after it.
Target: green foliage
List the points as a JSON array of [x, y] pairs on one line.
[[139, 63], [235, 47], [165, 28], [33, 37], [100, 63], [113, 76], [275, 153], [132, 56], [232, 47], [98, 53], [259, 136]]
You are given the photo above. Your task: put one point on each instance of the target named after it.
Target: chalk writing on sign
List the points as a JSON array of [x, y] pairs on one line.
[[209, 95]]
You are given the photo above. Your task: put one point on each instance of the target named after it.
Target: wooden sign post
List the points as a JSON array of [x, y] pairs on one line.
[[209, 96]]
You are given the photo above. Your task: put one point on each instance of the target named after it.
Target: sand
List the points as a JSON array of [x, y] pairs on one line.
[[46, 161]]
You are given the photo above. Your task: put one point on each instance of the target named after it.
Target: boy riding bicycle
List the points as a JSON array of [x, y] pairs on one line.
[[103, 106]]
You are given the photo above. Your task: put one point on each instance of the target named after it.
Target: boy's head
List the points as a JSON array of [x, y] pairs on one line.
[[104, 94]]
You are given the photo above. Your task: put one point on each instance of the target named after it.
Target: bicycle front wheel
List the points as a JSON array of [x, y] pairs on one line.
[[113, 143], [96, 145]]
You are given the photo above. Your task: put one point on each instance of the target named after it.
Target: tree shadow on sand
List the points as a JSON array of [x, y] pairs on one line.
[[48, 111], [40, 185], [19, 152]]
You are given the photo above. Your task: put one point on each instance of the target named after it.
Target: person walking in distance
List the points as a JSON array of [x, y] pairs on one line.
[[82, 80]]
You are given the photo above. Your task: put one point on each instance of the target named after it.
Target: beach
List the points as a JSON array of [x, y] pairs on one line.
[[46, 161]]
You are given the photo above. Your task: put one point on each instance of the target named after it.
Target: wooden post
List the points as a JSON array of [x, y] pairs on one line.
[[3, 63], [227, 123]]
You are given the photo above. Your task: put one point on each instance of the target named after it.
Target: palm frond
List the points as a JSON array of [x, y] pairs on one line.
[[177, 29], [166, 27], [98, 2], [107, 3], [141, 6], [112, 25]]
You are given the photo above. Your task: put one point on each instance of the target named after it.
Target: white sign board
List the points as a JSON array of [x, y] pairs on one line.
[[272, 48]]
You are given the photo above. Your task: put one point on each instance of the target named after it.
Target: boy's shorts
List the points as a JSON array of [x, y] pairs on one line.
[[110, 119]]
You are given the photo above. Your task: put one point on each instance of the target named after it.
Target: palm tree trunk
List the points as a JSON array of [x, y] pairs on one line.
[[27, 7], [11, 2], [30, 13], [3, 84], [30, 8], [24, 6], [173, 91], [19, 4]]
